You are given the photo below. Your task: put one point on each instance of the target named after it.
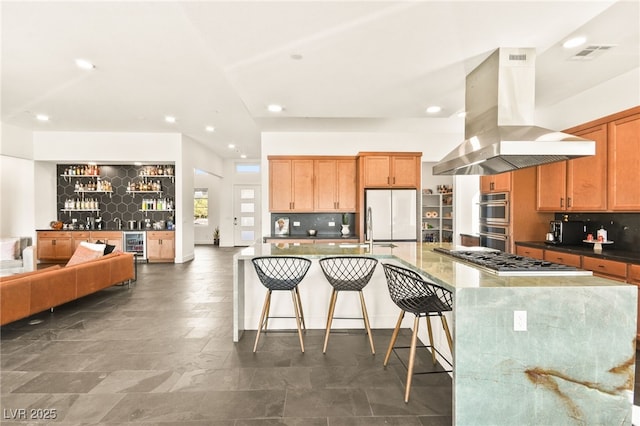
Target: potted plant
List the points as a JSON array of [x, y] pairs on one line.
[[345, 224], [216, 236]]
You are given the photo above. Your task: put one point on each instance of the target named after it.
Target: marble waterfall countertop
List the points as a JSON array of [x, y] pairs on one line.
[[570, 362], [420, 257]]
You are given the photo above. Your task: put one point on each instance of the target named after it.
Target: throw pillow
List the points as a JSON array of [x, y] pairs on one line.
[[83, 254], [108, 247], [9, 247], [92, 246]]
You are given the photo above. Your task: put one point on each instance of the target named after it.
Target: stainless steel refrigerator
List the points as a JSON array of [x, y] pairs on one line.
[[394, 214]]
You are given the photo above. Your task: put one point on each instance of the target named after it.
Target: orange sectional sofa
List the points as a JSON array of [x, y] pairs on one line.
[[25, 294]]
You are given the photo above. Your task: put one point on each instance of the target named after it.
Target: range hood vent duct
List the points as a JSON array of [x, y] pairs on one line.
[[500, 134]]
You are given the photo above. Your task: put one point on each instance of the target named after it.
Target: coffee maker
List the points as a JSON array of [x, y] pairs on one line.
[[565, 232]]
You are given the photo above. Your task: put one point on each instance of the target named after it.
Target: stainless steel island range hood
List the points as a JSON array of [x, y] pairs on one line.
[[499, 132]]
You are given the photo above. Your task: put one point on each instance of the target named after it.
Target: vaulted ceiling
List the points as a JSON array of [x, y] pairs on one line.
[[330, 64]]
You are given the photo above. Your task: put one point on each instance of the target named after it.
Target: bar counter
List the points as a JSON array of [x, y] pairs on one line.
[[573, 364]]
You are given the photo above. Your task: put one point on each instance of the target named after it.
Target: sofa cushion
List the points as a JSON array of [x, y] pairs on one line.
[[84, 254], [108, 247], [9, 248]]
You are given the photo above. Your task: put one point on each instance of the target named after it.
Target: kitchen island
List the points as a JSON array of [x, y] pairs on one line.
[[571, 363]]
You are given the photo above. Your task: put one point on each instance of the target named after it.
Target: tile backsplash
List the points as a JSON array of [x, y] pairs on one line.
[[321, 222]]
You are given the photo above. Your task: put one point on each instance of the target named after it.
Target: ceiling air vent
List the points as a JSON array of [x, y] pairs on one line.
[[591, 52]]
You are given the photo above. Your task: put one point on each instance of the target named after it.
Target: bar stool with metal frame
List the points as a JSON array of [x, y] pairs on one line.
[[281, 273], [413, 294], [348, 273]]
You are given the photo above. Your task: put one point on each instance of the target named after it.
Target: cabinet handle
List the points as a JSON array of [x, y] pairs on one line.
[[568, 202], [561, 203], [388, 180], [491, 186], [394, 180]]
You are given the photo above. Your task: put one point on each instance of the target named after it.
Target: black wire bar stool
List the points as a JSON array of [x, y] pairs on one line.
[[348, 273], [281, 273], [413, 294]]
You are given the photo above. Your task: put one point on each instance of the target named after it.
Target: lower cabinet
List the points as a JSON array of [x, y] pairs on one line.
[[54, 246], [534, 253], [160, 246], [113, 238], [563, 258], [80, 236], [605, 268]]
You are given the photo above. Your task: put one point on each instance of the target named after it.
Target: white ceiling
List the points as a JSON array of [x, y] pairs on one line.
[[364, 63]]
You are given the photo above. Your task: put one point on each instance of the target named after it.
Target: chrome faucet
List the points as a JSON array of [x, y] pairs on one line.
[[119, 221]]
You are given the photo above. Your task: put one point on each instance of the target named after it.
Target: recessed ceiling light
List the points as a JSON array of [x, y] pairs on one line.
[[243, 155], [433, 109], [137, 163], [84, 64], [574, 42], [210, 129], [462, 114], [170, 119], [42, 117], [275, 108], [231, 146]]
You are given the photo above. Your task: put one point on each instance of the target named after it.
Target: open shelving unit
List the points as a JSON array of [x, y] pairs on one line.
[[437, 217]]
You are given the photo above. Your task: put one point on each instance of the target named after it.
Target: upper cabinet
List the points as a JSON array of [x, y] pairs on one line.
[[312, 184], [335, 184], [391, 169], [290, 185], [623, 162], [607, 181], [579, 184], [495, 183]]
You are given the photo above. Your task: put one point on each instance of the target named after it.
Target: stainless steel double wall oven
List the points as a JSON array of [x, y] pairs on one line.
[[494, 221]]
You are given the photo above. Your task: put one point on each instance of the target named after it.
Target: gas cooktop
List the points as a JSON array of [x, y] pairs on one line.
[[508, 264]]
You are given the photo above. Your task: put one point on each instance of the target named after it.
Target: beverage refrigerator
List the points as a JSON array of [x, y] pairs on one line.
[[135, 242]]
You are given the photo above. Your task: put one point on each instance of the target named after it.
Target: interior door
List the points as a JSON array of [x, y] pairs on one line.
[[246, 214]]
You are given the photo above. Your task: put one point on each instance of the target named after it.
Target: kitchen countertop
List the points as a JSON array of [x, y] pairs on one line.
[[336, 236], [608, 252], [444, 270], [565, 338]]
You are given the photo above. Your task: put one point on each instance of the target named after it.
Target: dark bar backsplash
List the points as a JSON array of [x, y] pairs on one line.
[[317, 221], [622, 228]]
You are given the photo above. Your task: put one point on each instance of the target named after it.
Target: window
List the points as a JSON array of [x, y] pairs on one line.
[[247, 168], [201, 206]]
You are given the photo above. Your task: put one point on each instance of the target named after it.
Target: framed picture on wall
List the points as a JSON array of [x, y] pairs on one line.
[[281, 226]]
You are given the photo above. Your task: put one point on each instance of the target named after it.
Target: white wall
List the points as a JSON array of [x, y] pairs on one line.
[[17, 201]]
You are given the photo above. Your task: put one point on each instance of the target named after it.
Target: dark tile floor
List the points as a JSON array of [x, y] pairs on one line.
[[161, 353]]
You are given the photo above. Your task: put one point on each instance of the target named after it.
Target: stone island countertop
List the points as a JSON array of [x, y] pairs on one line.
[[570, 363]]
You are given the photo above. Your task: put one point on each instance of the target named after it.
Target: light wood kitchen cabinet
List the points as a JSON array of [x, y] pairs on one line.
[[562, 258], [391, 170], [579, 184], [335, 184], [605, 268], [80, 236], [290, 185], [160, 246], [54, 245], [113, 238], [495, 183], [623, 162], [534, 253]]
